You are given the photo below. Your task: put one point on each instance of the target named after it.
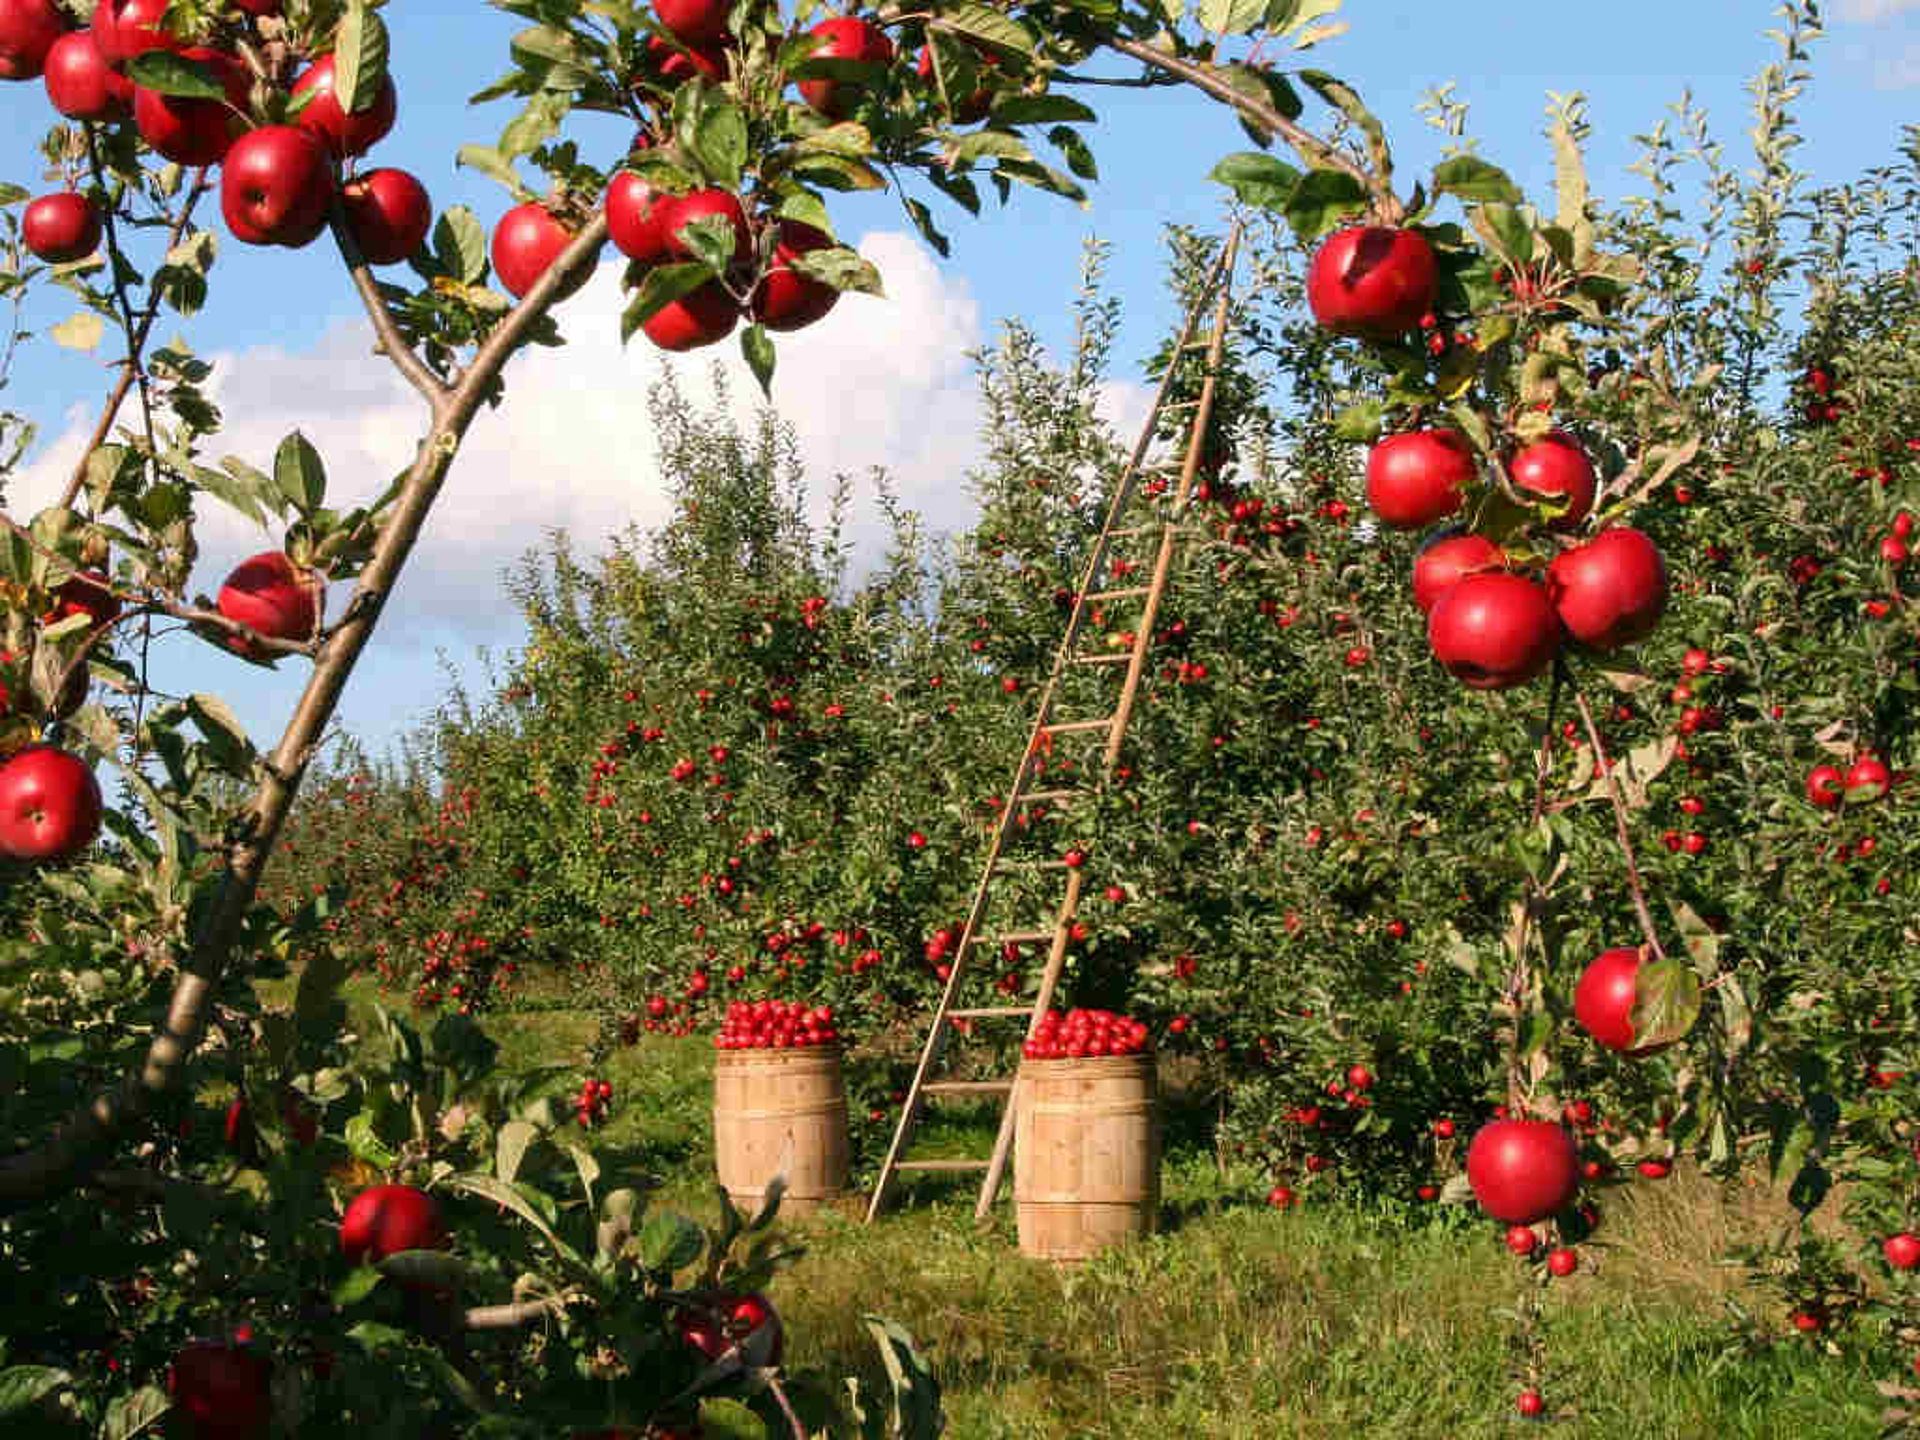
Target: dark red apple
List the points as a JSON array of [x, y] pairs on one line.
[[1611, 591], [386, 1219], [525, 242], [50, 805], [1493, 630], [1416, 478], [28, 29], [678, 211], [123, 29], [220, 1392], [388, 213], [635, 211], [191, 131], [694, 21], [1448, 556], [345, 134], [1553, 466], [785, 299], [703, 316], [1603, 1001], [1868, 779], [748, 1321], [844, 37], [59, 228], [273, 596], [713, 61], [80, 83], [1826, 786], [1371, 281], [86, 593], [276, 185], [1523, 1171]]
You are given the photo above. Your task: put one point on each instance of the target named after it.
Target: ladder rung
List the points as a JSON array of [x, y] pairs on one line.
[[1021, 935], [1030, 865], [1050, 795], [1180, 404], [1125, 594], [1003, 1012], [1133, 530], [942, 1164], [968, 1087], [1113, 657], [1071, 727]]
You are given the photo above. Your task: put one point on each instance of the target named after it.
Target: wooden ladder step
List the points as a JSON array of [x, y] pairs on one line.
[[997, 1012], [968, 1087], [1018, 936], [1017, 865], [1126, 594], [1076, 727], [1111, 657], [941, 1165], [1051, 796]]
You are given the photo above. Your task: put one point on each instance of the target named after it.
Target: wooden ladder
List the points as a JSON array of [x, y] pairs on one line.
[[1214, 294]]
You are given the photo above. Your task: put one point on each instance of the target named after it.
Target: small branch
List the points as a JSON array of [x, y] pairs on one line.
[[1620, 827], [786, 1408], [396, 349], [511, 1317]]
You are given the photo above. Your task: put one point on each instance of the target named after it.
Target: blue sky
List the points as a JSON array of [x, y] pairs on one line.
[[877, 383]]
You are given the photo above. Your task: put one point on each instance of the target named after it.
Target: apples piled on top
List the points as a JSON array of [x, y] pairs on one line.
[[1085, 1035], [776, 1025]]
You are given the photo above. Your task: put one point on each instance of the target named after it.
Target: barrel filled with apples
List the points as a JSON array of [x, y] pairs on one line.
[[780, 1106]]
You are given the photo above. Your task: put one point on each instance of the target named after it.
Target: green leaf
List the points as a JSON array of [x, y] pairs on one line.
[[988, 143], [1230, 17], [359, 57], [299, 473], [135, 1414], [756, 346], [670, 1242], [24, 1385], [536, 124], [1015, 108], [717, 138], [845, 138], [1360, 423], [435, 1268], [841, 268], [1079, 158], [1042, 177], [511, 1146], [489, 161], [923, 222], [1257, 179], [224, 733], [723, 1419], [358, 1283], [1471, 178], [82, 332], [460, 243], [713, 239], [243, 494], [171, 74], [1321, 201], [983, 23], [807, 208], [1666, 1002], [838, 172], [365, 1143], [1505, 232], [1346, 100]]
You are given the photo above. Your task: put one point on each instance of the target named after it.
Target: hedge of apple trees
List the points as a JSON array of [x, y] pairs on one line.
[[1596, 864]]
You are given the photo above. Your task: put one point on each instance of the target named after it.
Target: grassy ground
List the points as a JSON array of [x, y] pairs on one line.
[[1239, 1321]]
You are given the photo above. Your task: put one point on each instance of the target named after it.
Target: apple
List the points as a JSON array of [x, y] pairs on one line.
[[844, 37], [276, 185], [694, 21], [220, 1391], [1825, 786], [785, 299], [1493, 630], [636, 213], [276, 598], [80, 83], [386, 1219], [1868, 780], [1522, 1171], [388, 214], [527, 240], [62, 227], [1902, 1250], [345, 133], [1521, 1240], [1529, 1403], [28, 29], [50, 805], [703, 316], [1447, 557], [712, 61], [678, 211], [1603, 1001], [1555, 466], [1371, 281], [85, 593], [242, 1137], [1563, 1262], [1280, 1197], [1416, 478], [746, 1320], [195, 132], [123, 29], [1611, 591]]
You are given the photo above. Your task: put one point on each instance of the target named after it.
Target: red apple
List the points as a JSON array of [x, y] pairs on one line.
[[273, 596], [195, 132], [386, 1219], [844, 37], [1371, 281], [1416, 478], [1902, 1250], [123, 29], [85, 593], [220, 1392], [1611, 591], [748, 1321], [1493, 630], [1563, 1262], [1446, 558], [635, 216], [526, 241], [703, 316], [60, 228], [276, 185], [28, 29], [345, 134], [1868, 780], [80, 83], [1555, 465], [1825, 786], [1522, 1171], [678, 211], [713, 61], [694, 21], [388, 214], [50, 805], [1603, 1001], [785, 299]]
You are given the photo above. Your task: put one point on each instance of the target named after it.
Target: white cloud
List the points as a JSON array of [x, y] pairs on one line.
[[1871, 12]]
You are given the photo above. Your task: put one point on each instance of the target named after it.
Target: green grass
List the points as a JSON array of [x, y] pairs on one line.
[[1240, 1321]]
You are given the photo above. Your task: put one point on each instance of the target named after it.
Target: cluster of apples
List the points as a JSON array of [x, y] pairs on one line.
[[1084, 1034], [776, 1025], [1489, 623], [278, 175]]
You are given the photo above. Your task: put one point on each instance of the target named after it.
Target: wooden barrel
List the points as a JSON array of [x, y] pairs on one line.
[[780, 1112], [1086, 1164]]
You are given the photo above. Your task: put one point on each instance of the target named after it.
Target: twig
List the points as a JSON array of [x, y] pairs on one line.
[[1620, 828]]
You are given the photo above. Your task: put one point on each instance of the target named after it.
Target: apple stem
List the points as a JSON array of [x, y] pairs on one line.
[[1634, 887]]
